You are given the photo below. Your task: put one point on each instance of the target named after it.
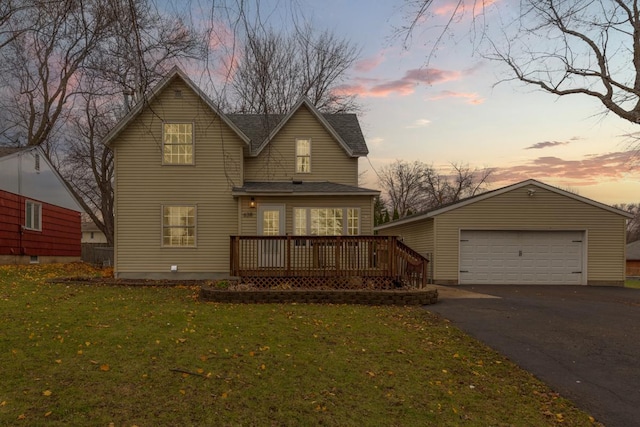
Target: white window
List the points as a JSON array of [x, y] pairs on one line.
[[303, 155], [327, 221], [177, 144], [33, 216], [179, 226]]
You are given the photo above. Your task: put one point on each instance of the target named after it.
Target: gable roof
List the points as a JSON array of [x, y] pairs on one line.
[[257, 130], [262, 128], [473, 199], [633, 250], [174, 73], [24, 185], [299, 188]]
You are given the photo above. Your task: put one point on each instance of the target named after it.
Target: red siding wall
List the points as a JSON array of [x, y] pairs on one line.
[[633, 267], [60, 235]]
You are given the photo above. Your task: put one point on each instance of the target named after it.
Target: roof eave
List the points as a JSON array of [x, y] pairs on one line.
[[498, 192]]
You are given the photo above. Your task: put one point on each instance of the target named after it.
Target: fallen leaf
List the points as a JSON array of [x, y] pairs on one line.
[[182, 391], [22, 416], [104, 367], [46, 393], [58, 361], [46, 414]]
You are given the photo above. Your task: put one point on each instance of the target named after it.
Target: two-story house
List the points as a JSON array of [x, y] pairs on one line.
[[187, 177], [39, 218]]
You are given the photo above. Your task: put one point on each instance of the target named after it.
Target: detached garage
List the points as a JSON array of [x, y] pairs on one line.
[[526, 233]]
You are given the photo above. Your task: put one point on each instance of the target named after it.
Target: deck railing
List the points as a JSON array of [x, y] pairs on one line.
[[333, 261]]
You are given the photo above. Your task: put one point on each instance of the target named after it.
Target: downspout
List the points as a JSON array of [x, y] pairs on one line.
[[21, 204]]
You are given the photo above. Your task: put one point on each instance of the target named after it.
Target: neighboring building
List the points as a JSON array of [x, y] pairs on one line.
[[92, 234], [525, 233], [39, 218], [187, 177], [633, 259]]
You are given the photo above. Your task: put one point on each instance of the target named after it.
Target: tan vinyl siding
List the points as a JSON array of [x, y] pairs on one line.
[[515, 210], [144, 185], [418, 235], [546, 210], [329, 161], [249, 216]]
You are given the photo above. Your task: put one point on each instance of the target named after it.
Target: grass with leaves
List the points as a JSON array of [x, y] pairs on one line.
[[75, 354], [632, 283]]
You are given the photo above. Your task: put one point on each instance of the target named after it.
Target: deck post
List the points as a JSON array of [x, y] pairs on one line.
[[288, 266]]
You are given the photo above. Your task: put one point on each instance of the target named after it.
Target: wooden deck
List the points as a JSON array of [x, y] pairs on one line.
[[328, 262]]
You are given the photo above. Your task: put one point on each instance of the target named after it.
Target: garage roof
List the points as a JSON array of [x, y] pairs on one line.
[[529, 182]]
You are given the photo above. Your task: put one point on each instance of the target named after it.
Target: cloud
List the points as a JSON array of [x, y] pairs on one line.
[[367, 87], [367, 64], [457, 9], [420, 123], [545, 144], [592, 169], [471, 97]]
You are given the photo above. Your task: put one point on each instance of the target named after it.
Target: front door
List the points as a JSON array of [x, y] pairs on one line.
[[271, 223]]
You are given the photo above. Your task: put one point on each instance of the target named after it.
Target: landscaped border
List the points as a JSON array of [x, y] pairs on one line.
[[366, 297]]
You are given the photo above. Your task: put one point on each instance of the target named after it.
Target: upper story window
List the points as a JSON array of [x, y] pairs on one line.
[[33, 216], [303, 155], [177, 144]]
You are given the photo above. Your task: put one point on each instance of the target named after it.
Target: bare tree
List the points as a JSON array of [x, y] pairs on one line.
[[276, 69], [414, 187], [633, 224], [141, 46], [589, 48], [401, 183], [461, 182], [39, 66]]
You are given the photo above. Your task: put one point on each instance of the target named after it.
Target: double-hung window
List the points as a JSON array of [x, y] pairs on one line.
[[177, 144], [327, 221], [33, 216], [179, 226], [303, 155]]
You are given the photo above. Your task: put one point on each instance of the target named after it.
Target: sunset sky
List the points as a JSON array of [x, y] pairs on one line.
[[451, 110]]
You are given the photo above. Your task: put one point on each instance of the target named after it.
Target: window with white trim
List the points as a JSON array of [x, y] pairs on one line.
[[179, 226], [33, 215], [303, 155], [327, 221], [177, 144]]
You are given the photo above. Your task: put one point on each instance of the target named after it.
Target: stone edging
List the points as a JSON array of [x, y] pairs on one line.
[[373, 297]]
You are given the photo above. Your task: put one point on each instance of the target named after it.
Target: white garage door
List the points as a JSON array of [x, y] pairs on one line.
[[521, 257]]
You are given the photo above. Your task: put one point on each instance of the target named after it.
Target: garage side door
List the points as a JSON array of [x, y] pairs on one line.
[[521, 257]]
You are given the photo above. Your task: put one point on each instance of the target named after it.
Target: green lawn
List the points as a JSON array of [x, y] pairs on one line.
[[74, 354], [632, 283]]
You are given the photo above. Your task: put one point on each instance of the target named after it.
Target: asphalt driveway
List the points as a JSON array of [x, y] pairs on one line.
[[582, 341]]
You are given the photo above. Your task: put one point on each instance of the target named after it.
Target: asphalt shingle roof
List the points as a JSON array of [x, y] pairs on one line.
[[258, 127], [298, 187]]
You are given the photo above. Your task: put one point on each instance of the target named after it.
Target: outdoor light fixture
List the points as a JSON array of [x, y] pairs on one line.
[[531, 192], [252, 203]]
